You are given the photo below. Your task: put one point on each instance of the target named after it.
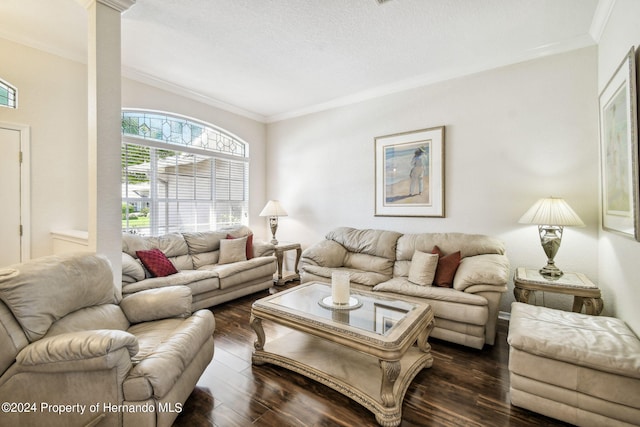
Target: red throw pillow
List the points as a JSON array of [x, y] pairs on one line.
[[156, 262], [447, 267], [249, 244]]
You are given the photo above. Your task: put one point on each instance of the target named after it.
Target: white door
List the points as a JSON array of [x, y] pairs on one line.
[[10, 183]]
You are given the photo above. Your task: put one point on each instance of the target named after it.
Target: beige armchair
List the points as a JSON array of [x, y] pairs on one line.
[[72, 353]]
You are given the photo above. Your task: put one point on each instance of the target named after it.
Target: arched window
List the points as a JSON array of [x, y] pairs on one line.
[[179, 174], [8, 95]]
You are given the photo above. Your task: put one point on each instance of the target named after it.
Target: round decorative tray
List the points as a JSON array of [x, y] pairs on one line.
[[327, 302]]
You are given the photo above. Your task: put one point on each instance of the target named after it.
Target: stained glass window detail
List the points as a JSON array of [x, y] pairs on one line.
[[8, 95]]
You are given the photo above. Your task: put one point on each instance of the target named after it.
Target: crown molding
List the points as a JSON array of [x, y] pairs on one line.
[[601, 18], [433, 78], [119, 5], [158, 83]]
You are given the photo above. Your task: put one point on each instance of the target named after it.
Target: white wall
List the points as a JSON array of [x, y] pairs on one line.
[[52, 100], [139, 95], [513, 135], [619, 269]]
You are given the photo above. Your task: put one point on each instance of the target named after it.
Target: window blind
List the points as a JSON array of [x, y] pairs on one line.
[[167, 190]]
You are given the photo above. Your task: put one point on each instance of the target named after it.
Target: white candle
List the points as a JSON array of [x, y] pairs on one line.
[[340, 287]]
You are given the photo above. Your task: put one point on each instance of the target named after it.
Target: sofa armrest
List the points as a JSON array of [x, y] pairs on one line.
[[487, 270], [326, 253], [155, 304], [76, 346], [262, 248]]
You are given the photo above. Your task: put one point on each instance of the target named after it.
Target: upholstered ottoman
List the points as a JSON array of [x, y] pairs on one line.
[[577, 368]]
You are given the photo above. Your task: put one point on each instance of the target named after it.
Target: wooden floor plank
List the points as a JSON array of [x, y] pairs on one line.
[[465, 387]]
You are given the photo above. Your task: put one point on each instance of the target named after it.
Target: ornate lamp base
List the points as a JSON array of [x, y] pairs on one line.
[[550, 270], [273, 223], [550, 238]]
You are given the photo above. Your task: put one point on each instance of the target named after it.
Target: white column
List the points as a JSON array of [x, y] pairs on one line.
[[104, 124]]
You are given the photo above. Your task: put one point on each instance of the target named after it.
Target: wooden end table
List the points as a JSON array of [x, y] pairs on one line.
[[585, 293], [287, 276]]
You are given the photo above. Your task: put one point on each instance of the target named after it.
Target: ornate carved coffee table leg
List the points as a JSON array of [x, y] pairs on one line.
[[390, 372], [258, 344], [423, 345]]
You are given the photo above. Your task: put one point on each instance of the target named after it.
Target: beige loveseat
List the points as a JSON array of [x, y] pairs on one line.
[[197, 258], [380, 260], [72, 353]]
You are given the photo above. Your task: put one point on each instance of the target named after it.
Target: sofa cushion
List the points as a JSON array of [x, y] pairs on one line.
[[238, 273], [447, 303], [401, 285], [602, 343], [156, 262], [166, 349], [106, 316], [467, 244], [474, 271], [366, 262], [368, 278], [40, 292], [233, 250], [160, 303], [171, 244], [203, 241], [423, 268], [326, 253], [379, 243], [184, 277]]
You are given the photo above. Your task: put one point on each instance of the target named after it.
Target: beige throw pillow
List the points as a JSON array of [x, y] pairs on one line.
[[233, 250], [423, 268]]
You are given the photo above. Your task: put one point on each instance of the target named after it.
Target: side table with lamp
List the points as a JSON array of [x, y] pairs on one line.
[[551, 215], [273, 209]]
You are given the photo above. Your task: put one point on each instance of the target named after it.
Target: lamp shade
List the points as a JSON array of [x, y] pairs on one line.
[[551, 211], [273, 208]]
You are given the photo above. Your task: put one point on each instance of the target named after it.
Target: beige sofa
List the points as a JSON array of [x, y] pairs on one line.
[[578, 368], [197, 257], [380, 260], [72, 353]]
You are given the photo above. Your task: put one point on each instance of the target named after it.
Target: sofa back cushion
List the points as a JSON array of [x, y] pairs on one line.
[[105, 316], [204, 247], [380, 243], [44, 290], [173, 245], [468, 245], [365, 262]]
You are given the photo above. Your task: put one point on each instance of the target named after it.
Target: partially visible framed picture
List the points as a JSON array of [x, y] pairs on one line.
[[619, 150], [386, 317], [409, 173]]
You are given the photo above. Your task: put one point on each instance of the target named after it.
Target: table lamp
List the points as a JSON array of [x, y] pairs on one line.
[[551, 215], [273, 209]]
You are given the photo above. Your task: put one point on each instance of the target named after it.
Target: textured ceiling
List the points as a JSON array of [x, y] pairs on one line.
[[272, 59]]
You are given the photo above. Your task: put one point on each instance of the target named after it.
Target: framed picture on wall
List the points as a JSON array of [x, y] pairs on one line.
[[409, 173], [619, 150]]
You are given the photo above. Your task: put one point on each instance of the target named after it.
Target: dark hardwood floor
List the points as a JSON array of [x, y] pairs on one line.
[[464, 387]]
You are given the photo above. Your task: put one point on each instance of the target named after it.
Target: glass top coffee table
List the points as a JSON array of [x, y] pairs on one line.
[[365, 352]]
